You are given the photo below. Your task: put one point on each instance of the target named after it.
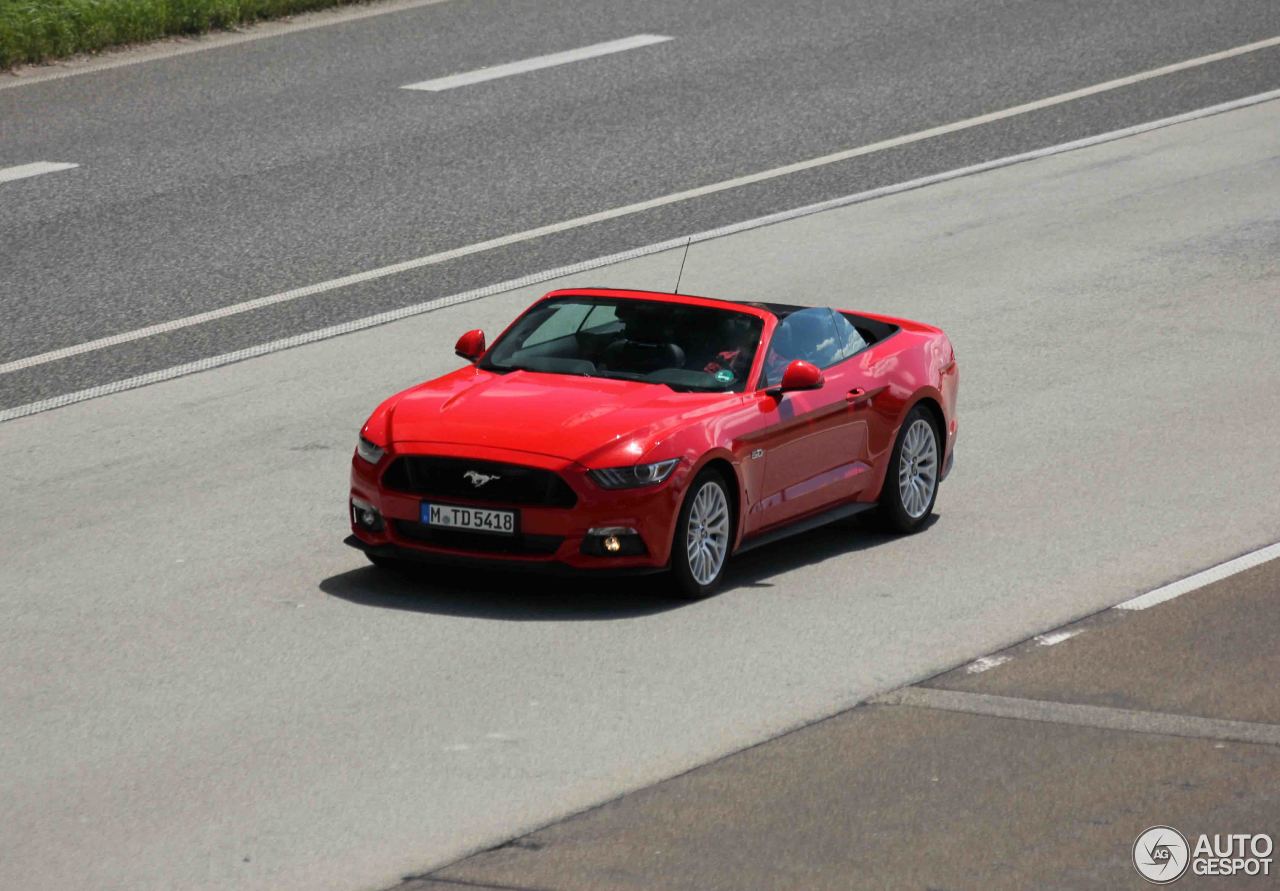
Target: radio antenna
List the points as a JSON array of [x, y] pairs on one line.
[[680, 274]]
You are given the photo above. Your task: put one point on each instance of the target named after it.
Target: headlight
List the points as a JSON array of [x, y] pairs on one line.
[[636, 475], [368, 451]]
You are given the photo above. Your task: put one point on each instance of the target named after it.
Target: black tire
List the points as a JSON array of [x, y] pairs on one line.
[[898, 513], [687, 579]]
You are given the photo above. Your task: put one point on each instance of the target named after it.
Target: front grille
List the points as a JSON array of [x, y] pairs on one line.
[[477, 481], [520, 545]]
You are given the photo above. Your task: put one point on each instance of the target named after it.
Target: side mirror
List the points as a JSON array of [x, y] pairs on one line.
[[470, 346], [800, 375]]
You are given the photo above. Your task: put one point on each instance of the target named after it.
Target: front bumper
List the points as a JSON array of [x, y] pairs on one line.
[[549, 538], [452, 558]]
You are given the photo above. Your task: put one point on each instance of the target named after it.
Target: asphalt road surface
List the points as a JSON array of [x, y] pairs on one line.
[[216, 178], [202, 688], [1031, 768]]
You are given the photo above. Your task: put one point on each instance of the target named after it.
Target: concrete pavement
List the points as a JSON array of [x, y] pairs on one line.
[[201, 687]]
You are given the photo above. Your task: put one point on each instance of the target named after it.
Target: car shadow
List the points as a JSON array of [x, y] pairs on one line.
[[492, 594], [524, 597], [754, 568]]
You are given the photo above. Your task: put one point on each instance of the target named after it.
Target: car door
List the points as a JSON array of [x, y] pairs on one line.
[[812, 449], [861, 374]]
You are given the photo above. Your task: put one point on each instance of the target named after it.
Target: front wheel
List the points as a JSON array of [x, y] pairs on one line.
[[911, 482], [703, 536]]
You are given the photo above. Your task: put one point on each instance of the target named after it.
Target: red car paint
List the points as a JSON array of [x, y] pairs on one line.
[[792, 456]]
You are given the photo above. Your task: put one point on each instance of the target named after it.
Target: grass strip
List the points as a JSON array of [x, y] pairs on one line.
[[38, 30]]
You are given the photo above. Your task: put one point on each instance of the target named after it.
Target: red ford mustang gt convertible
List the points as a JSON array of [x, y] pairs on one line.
[[611, 430]]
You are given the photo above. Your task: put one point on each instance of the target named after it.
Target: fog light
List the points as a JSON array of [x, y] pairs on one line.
[[613, 541], [365, 515]]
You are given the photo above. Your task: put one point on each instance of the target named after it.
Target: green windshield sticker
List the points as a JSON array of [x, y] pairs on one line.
[[724, 376]]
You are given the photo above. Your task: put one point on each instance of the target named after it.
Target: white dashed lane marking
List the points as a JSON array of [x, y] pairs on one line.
[[36, 168], [480, 75], [986, 663], [1056, 637]]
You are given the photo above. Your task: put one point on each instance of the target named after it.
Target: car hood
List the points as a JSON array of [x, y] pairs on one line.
[[581, 419]]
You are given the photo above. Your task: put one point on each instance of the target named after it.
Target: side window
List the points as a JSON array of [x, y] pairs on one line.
[[809, 335], [563, 321], [849, 341]]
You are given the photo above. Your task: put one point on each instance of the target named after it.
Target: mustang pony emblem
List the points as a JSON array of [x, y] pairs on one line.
[[478, 479]]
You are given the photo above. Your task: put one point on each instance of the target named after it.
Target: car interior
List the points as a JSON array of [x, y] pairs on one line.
[[682, 346]]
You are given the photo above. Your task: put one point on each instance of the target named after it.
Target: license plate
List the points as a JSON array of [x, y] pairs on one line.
[[472, 519]]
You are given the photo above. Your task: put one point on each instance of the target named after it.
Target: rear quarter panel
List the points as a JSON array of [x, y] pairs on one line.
[[916, 364]]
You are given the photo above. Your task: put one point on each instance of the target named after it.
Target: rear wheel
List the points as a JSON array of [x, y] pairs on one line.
[[703, 536], [911, 482]]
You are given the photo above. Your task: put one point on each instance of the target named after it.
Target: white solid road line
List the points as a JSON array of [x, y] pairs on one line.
[[22, 171], [1145, 601], [1201, 579], [538, 62], [164, 374], [737, 182], [1104, 717]]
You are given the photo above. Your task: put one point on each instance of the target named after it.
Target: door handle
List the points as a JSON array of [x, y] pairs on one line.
[[858, 397]]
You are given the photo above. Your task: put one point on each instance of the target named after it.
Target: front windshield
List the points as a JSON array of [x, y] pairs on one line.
[[684, 347]]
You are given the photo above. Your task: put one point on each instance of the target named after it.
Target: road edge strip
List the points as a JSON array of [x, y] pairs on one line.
[[173, 46]]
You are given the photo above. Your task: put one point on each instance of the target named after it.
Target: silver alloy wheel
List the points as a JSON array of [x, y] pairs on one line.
[[707, 538], [918, 468]]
